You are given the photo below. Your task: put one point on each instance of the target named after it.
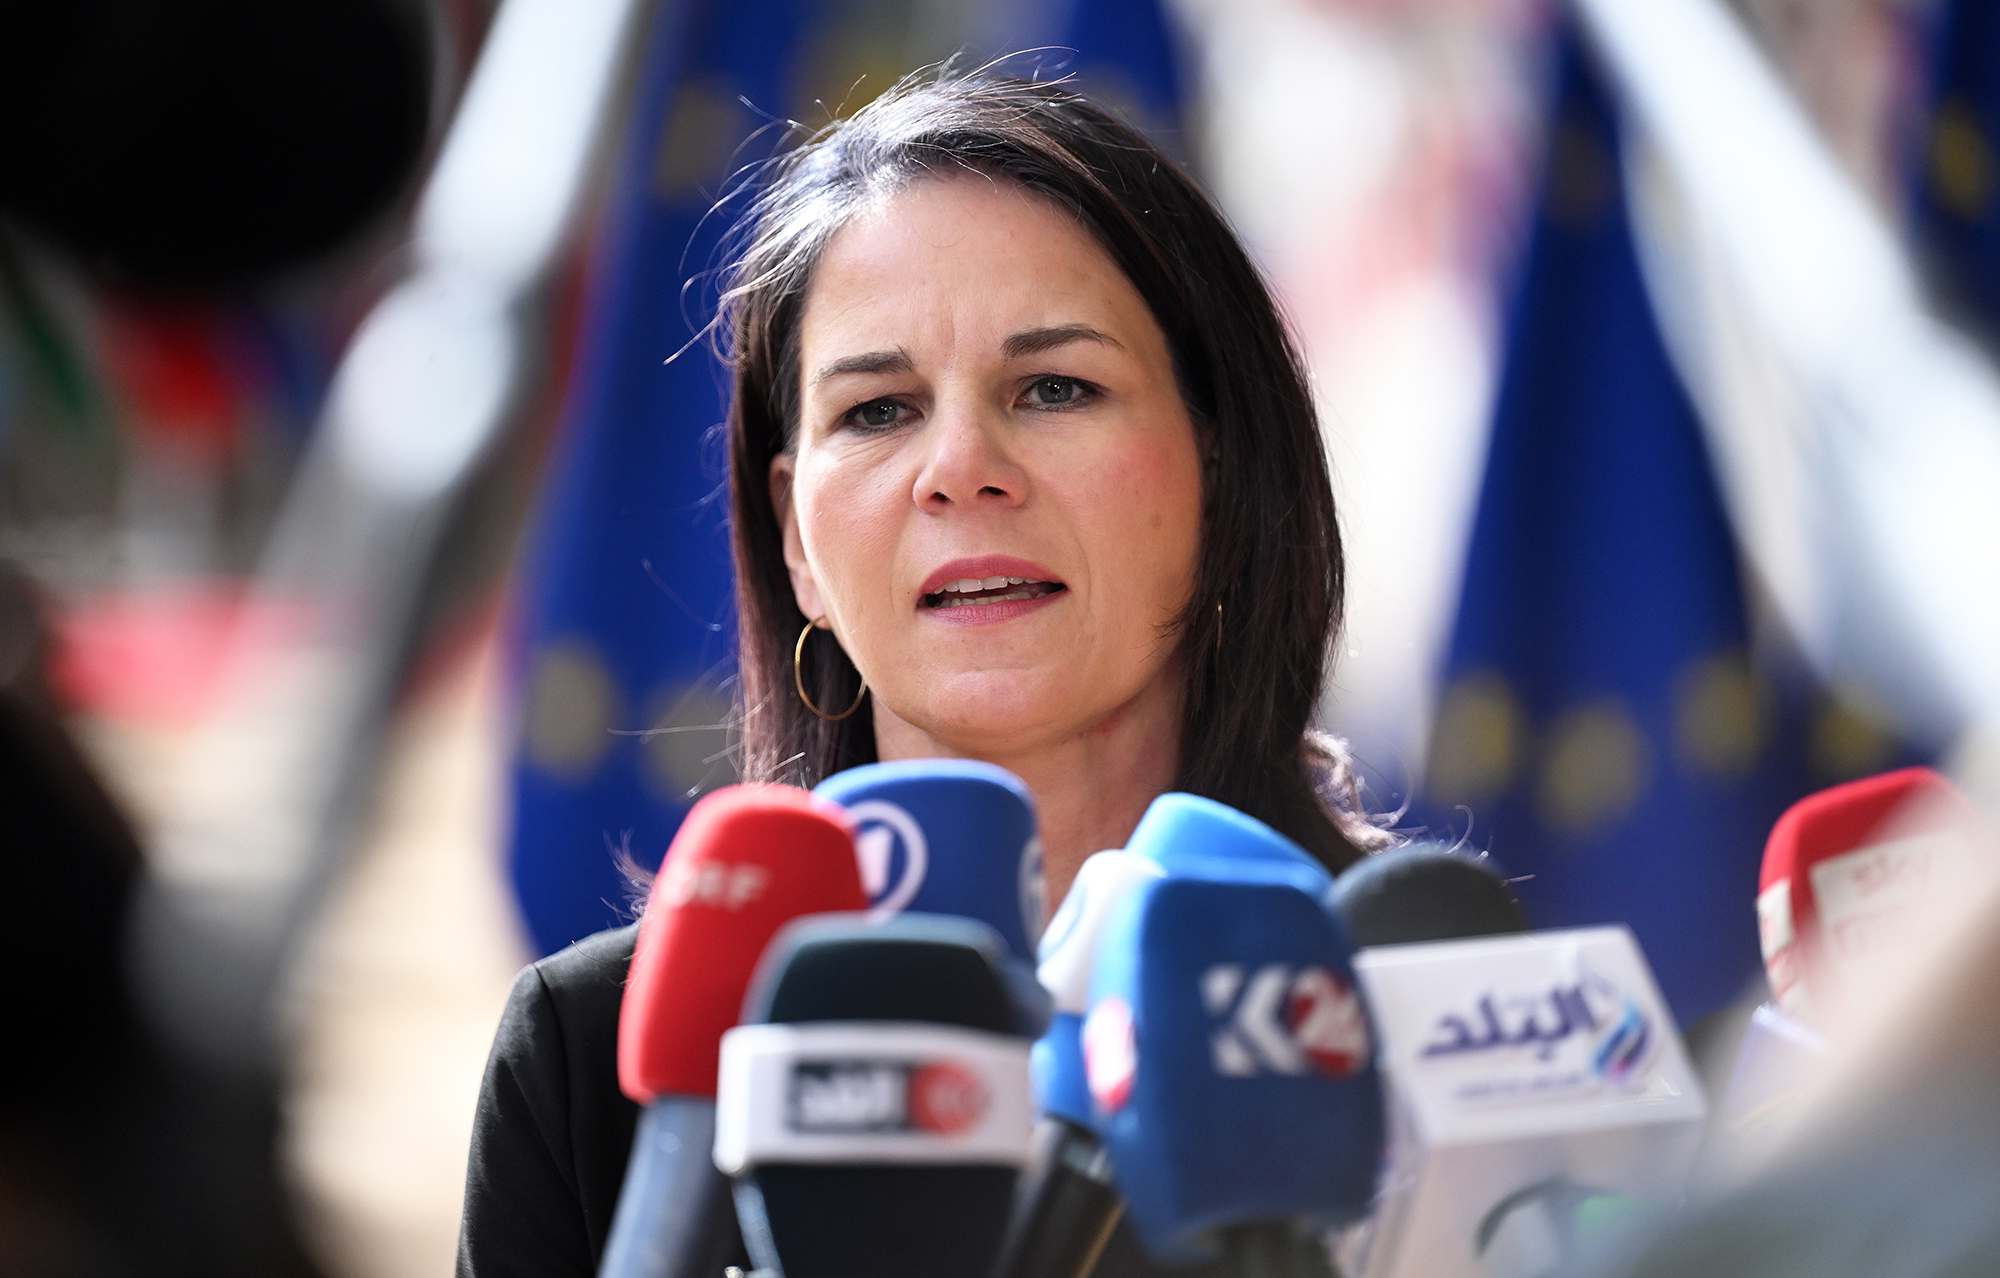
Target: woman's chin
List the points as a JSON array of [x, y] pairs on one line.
[[983, 716]]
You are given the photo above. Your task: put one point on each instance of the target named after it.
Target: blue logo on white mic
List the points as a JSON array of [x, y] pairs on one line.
[[1569, 1033], [894, 855]]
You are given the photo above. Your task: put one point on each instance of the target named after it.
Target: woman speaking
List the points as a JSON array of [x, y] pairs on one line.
[[1023, 468]]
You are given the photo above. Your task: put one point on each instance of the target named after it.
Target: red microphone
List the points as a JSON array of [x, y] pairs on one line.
[[747, 860], [1856, 877]]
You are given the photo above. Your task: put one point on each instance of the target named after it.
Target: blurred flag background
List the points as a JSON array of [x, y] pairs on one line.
[[1570, 641]]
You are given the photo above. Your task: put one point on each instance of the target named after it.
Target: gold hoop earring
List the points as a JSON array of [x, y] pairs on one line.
[[1218, 628], [799, 681]]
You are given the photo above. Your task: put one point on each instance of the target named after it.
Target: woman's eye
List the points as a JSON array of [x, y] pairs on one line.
[[1055, 392], [876, 413]]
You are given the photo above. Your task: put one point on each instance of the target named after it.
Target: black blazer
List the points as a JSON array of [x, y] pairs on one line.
[[552, 1133]]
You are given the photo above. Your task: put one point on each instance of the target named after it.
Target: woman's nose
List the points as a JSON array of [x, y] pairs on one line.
[[968, 463]]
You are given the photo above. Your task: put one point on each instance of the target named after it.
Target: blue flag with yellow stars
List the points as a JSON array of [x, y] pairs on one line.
[[621, 625], [1602, 725], [1956, 209]]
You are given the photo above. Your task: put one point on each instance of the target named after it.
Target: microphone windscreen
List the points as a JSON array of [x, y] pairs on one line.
[[1857, 875], [1067, 953], [1232, 1062], [920, 967], [746, 861], [947, 836], [1425, 892], [1522, 1068], [1189, 835], [877, 1099]]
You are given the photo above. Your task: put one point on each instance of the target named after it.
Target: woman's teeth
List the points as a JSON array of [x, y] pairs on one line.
[[989, 590]]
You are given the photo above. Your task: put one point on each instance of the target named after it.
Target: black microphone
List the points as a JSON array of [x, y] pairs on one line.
[[874, 1105], [1425, 892]]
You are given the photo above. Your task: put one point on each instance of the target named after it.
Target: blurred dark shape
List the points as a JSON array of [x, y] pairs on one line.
[[70, 865], [115, 1157], [204, 143]]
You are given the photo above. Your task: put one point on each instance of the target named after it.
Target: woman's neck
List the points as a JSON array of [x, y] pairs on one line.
[[1090, 788]]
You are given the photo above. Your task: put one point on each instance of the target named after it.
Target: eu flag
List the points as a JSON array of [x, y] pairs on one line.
[[1602, 723], [622, 608], [622, 626], [1957, 198]]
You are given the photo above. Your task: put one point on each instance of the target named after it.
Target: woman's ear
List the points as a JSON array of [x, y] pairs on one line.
[[805, 590]]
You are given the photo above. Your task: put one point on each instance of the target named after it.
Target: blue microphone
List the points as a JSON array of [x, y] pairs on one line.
[[1183, 835], [1193, 837], [947, 836], [1231, 1065], [1068, 1202]]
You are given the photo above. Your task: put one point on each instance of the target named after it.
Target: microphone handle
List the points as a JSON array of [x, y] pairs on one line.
[[1065, 1209], [674, 1218], [1272, 1249]]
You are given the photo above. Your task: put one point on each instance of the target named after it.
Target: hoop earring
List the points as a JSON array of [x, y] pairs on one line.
[[1218, 627], [799, 681]]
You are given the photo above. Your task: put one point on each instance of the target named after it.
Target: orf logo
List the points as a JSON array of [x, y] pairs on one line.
[[893, 853], [1110, 1053], [722, 884], [947, 1097], [1282, 1021]]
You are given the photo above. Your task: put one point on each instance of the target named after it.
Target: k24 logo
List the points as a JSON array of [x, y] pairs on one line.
[[1277, 1019]]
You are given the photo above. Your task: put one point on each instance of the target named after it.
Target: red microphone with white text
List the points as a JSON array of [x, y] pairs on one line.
[[747, 861]]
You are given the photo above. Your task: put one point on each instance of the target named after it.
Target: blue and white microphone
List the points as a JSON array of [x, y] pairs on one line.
[[947, 836], [1231, 1067], [1539, 1096], [1066, 1204]]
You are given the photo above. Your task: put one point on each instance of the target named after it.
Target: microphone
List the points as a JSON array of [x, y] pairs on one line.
[[874, 1107], [947, 836], [1199, 838], [1068, 1203], [747, 860], [1856, 878], [1232, 1068], [1425, 892], [1536, 1085]]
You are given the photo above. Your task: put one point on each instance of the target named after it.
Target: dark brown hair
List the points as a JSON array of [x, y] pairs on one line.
[[1270, 553]]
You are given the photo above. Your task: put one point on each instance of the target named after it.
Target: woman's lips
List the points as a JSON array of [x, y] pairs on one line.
[[1011, 604], [984, 592], [989, 588]]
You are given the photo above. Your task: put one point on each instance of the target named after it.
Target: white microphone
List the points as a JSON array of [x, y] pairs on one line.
[[1536, 1085]]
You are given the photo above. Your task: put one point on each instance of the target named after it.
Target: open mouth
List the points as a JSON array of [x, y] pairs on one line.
[[972, 592]]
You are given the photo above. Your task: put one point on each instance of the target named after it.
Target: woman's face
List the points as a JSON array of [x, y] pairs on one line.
[[995, 501]]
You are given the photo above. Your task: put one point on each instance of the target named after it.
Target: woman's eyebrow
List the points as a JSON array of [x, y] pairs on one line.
[[896, 361], [1034, 341]]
